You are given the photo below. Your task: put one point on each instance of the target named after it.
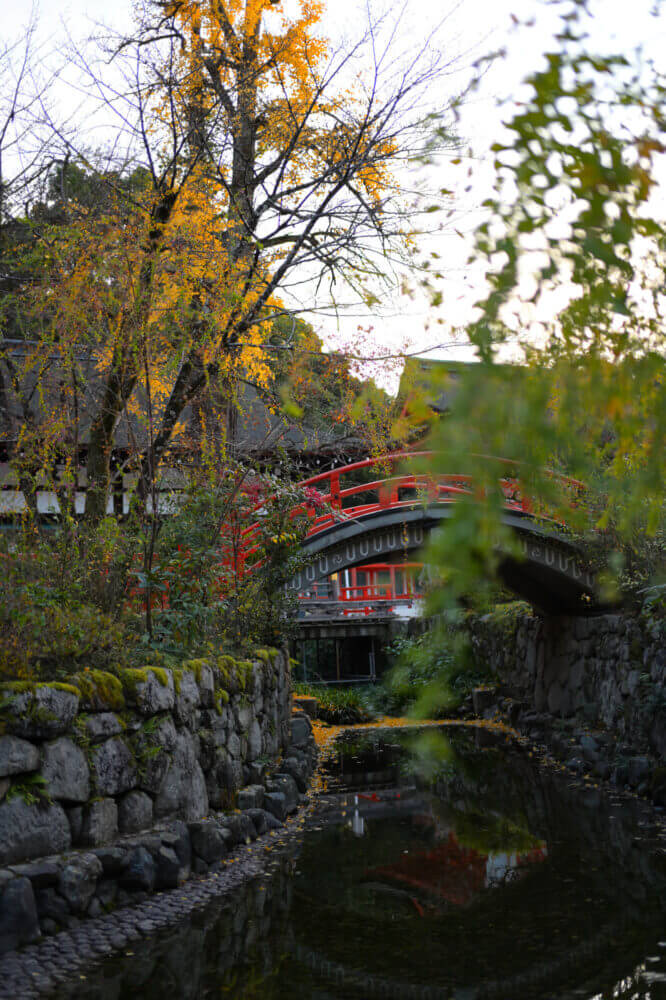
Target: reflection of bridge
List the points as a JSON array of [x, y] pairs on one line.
[[390, 518]]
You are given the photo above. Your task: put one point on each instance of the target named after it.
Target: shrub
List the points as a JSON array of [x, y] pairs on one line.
[[208, 582], [118, 593], [432, 673], [338, 705], [44, 635], [61, 599]]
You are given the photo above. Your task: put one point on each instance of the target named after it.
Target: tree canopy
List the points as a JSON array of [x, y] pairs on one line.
[[249, 156]]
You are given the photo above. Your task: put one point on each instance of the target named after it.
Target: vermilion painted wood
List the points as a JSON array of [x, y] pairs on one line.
[[438, 488]]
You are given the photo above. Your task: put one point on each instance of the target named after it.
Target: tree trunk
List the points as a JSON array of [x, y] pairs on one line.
[[119, 387], [189, 381], [124, 371]]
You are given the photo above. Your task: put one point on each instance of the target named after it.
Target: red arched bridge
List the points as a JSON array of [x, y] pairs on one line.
[[386, 521]]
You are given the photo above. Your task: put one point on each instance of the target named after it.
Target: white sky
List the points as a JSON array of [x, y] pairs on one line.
[[473, 28]]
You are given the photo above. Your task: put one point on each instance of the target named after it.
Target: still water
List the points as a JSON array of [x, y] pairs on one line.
[[445, 864]]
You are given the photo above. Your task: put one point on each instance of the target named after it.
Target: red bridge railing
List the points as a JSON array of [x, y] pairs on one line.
[[393, 491]]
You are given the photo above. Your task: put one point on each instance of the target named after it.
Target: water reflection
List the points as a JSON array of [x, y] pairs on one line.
[[357, 821], [463, 871]]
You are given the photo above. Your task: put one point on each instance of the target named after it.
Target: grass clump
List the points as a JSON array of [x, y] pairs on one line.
[[338, 705]]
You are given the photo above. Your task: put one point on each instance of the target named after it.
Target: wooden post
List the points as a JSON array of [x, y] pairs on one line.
[[336, 502], [337, 658]]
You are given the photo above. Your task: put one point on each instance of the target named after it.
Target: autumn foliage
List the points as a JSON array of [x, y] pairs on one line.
[[250, 155]]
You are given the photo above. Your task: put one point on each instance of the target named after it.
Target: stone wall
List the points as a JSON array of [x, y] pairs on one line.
[[608, 670], [114, 882], [217, 956], [104, 755]]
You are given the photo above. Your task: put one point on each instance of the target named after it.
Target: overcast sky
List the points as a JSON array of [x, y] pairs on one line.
[[472, 28]]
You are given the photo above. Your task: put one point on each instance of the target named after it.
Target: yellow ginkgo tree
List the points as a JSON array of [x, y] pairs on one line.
[[247, 158]]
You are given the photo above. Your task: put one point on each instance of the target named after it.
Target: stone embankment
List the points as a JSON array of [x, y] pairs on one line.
[[52, 964], [152, 775], [595, 687]]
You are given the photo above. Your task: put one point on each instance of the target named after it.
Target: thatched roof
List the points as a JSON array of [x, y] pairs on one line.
[[49, 388]]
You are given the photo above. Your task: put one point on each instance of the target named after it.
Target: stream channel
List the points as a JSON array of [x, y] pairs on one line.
[[445, 863]]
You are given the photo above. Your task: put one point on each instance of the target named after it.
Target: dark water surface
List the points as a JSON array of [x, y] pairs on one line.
[[444, 864]]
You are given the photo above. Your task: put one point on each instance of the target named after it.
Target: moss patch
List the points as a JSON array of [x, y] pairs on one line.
[[197, 667], [99, 690], [225, 666], [221, 699], [131, 679], [161, 674], [244, 669], [232, 675], [21, 687]]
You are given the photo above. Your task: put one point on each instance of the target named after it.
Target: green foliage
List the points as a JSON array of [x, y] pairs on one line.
[[505, 618], [61, 596], [318, 390], [204, 586], [70, 597], [571, 219], [338, 705], [43, 636], [432, 674], [32, 789]]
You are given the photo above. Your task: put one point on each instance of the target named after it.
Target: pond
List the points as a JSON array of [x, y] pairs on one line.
[[443, 863]]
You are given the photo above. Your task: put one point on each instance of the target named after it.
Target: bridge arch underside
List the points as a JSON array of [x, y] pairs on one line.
[[550, 575]]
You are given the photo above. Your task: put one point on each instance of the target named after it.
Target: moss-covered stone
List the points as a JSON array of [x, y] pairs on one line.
[[244, 669], [197, 667], [225, 667], [151, 689], [221, 699], [204, 673], [37, 709], [229, 674], [100, 691], [133, 677], [161, 673], [19, 687]]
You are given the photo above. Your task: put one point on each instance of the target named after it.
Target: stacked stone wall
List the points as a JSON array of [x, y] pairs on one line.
[[609, 670], [123, 784], [117, 787], [103, 755]]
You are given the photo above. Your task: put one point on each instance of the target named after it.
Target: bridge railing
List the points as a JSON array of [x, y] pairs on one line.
[[310, 610], [337, 502]]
